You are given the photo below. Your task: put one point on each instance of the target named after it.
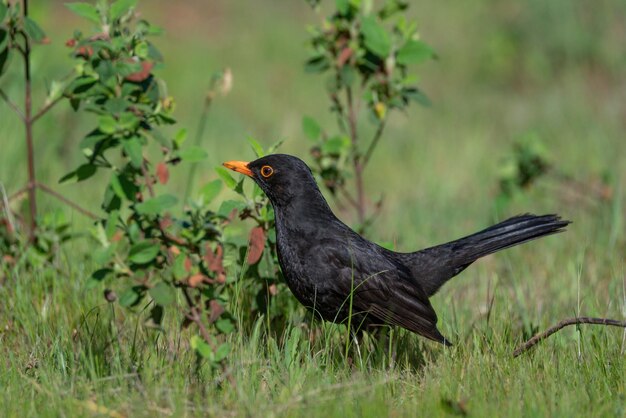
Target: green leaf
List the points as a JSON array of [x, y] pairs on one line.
[[142, 50], [120, 7], [117, 105], [81, 173], [221, 352], [225, 325], [201, 347], [210, 191], [228, 206], [122, 187], [111, 223], [128, 121], [178, 268], [416, 95], [101, 274], [107, 124], [336, 145], [256, 147], [4, 38], [272, 149], [3, 11], [343, 6], [375, 37], [180, 137], [193, 154], [132, 147], [317, 64], [84, 10], [224, 174], [311, 128], [156, 205], [33, 30], [156, 315], [414, 52], [143, 252], [163, 294], [129, 298]]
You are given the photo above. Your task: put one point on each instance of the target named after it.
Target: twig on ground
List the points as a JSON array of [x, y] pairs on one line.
[[564, 323]]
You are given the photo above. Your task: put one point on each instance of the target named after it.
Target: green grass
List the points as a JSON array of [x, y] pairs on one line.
[[66, 352]]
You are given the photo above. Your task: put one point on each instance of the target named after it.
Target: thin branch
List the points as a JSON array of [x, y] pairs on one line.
[[68, 202], [146, 176], [52, 103], [46, 108], [17, 194], [12, 105], [564, 323], [348, 197], [356, 158], [28, 124], [195, 316], [370, 149]]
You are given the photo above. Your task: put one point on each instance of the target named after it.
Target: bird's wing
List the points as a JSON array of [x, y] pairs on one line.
[[380, 287]]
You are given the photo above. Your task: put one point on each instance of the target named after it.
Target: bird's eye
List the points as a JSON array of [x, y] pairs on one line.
[[267, 171]]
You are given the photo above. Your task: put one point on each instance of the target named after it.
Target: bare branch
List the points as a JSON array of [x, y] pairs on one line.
[[564, 323], [65, 200], [46, 108], [12, 105]]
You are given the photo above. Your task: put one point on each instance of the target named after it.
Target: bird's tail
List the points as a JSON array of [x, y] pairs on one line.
[[513, 231], [440, 263]]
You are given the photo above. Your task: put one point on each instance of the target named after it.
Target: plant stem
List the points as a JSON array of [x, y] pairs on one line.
[[28, 123], [370, 149], [198, 138], [46, 108], [356, 158], [67, 201], [12, 105]]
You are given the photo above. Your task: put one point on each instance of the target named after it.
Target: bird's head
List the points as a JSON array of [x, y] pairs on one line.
[[282, 177]]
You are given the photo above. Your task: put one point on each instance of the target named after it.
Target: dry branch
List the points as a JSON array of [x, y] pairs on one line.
[[564, 323]]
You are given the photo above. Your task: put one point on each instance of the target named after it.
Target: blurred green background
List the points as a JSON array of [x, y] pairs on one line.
[[505, 68]]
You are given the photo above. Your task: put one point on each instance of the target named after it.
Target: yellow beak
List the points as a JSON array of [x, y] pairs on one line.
[[239, 166]]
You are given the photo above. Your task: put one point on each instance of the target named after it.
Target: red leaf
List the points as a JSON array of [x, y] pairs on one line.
[[188, 264], [273, 289], [165, 222], [84, 51], [196, 280], [162, 173], [139, 76], [117, 236], [257, 244], [214, 260], [344, 56], [216, 310]]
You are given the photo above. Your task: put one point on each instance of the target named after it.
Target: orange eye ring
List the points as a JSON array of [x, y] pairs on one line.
[[267, 171]]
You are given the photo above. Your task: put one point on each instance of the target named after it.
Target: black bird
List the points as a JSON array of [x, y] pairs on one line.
[[346, 278]]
